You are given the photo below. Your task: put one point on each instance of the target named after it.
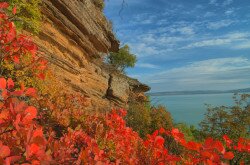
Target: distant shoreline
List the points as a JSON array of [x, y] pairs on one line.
[[172, 93]]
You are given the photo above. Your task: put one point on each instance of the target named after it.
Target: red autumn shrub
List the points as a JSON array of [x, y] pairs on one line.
[[23, 140], [15, 47]]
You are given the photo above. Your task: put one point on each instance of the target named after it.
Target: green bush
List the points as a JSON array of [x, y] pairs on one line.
[[160, 118], [187, 130], [28, 15], [145, 119], [122, 59], [138, 117], [233, 121]]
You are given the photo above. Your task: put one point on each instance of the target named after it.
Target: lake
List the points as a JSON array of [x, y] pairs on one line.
[[190, 109]]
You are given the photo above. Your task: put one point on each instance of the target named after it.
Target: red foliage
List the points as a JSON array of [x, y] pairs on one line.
[[18, 129], [102, 140], [22, 140], [243, 145], [14, 46], [4, 5]]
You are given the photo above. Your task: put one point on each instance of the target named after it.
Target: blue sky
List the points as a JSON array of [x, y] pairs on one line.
[[186, 44]]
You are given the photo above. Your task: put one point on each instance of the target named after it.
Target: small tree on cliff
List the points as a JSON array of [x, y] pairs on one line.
[[122, 59]]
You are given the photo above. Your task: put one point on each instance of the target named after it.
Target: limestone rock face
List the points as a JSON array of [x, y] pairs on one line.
[[74, 37], [118, 88], [84, 23]]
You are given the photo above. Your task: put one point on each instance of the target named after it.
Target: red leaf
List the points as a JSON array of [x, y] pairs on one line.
[[16, 59], [4, 116], [30, 92], [4, 5], [218, 145], [206, 154], [33, 149], [228, 155], [43, 64], [178, 136], [10, 83], [162, 130], [41, 76], [227, 140], [32, 48], [3, 83], [1, 105], [38, 137], [155, 133], [31, 113], [17, 121], [159, 140], [193, 146], [4, 94], [38, 132], [35, 162], [11, 34], [5, 150], [12, 159], [210, 162], [22, 87], [14, 10]]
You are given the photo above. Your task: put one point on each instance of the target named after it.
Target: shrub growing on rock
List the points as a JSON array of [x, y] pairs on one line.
[[122, 59]]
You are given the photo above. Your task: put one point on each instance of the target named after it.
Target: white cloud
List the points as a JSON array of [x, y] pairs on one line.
[[243, 45], [213, 2], [147, 65], [143, 50], [213, 42], [213, 66], [170, 40], [220, 73], [152, 44], [227, 2], [199, 6], [219, 3], [223, 40], [238, 35], [143, 19], [229, 12], [219, 24], [209, 14], [184, 30]]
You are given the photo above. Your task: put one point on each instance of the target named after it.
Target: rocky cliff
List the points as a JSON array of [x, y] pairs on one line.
[[75, 36]]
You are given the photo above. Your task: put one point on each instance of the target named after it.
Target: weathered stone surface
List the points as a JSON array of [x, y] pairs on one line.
[[121, 86], [137, 86], [74, 35], [118, 88], [84, 23]]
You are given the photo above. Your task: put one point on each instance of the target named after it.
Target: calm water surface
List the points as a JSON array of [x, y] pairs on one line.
[[190, 109]]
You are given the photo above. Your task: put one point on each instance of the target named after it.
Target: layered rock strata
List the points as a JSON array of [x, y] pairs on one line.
[[74, 37]]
